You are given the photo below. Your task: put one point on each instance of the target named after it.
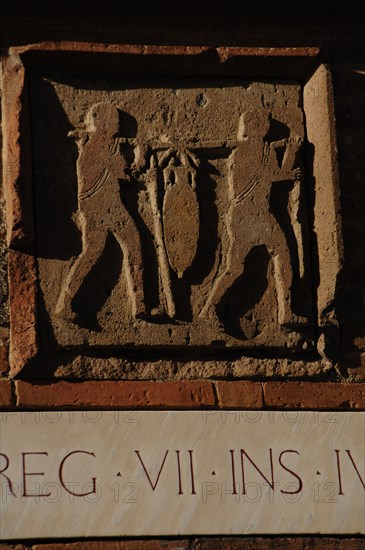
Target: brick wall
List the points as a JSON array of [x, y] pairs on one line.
[[337, 29]]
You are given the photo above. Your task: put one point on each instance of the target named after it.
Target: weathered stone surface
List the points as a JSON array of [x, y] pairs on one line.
[[23, 291], [245, 367], [177, 213], [318, 103], [169, 211], [170, 473]]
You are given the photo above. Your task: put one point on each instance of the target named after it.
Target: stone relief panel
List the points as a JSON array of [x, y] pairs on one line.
[[171, 212]]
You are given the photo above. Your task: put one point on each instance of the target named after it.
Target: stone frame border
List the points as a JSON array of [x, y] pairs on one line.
[[300, 63]]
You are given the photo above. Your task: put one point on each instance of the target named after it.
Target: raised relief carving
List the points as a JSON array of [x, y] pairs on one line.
[[196, 231], [181, 212], [254, 167], [163, 264], [100, 167]]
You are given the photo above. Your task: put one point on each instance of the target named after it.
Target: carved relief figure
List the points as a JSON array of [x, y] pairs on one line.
[[250, 221], [100, 166]]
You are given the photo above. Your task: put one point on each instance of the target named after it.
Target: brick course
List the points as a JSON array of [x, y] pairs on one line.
[[314, 395], [6, 399], [240, 394], [188, 394], [207, 543], [116, 545]]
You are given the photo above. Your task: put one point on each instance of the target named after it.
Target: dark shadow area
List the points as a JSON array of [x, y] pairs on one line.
[[127, 125], [245, 292], [182, 292], [98, 285], [277, 131], [302, 286], [311, 276], [54, 168], [349, 82], [188, 23]]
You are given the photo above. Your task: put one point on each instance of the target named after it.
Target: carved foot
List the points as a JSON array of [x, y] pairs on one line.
[[156, 315], [292, 321], [209, 316], [145, 316], [208, 312], [65, 311]]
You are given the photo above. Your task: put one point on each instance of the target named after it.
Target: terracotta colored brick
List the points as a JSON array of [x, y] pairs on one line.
[[329, 543], [254, 543], [116, 394], [115, 545], [5, 393], [12, 547], [351, 544], [208, 543], [240, 394], [22, 296], [320, 544], [287, 543], [314, 395]]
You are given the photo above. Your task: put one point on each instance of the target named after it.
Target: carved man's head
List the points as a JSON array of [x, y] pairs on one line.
[[253, 124], [103, 117]]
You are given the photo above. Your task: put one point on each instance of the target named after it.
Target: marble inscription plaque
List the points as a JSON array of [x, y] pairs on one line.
[[92, 473], [171, 212]]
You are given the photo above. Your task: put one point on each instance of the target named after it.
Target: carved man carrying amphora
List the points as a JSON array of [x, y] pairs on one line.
[[254, 168], [100, 166]]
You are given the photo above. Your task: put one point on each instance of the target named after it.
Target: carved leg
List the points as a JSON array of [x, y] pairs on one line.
[[233, 270], [92, 248], [128, 238], [283, 281]]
